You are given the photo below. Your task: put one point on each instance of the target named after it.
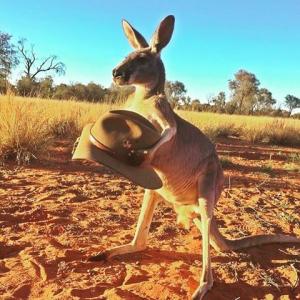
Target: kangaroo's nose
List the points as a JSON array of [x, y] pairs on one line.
[[116, 72]]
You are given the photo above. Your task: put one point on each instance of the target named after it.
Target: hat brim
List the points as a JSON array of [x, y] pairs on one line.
[[144, 176]]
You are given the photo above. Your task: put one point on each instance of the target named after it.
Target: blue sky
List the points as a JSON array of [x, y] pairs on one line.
[[212, 39]]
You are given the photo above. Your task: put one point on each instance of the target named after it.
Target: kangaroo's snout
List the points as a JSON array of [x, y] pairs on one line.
[[117, 73], [121, 75]]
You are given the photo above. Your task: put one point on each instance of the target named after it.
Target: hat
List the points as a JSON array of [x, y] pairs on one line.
[[115, 139]]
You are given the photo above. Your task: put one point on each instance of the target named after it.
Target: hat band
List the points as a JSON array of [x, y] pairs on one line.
[[100, 145], [132, 158]]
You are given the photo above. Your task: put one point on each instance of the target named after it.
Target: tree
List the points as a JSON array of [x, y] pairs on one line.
[[95, 92], [91, 92], [292, 102], [219, 102], [118, 94], [244, 90], [27, 87], [265, 101], [175, 92], [79, 91], [8, 55], [196, 105], [8, 60], [45, 87], [63, 91], [33, 68]]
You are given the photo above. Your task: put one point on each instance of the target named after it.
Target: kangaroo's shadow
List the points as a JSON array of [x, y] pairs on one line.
[[266, 257]]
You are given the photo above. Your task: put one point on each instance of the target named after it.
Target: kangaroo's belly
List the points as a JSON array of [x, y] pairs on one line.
[[180, 170], [178, 196], [184, 204]]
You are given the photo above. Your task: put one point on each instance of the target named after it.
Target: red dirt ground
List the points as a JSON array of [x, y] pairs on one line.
[[54, 214]]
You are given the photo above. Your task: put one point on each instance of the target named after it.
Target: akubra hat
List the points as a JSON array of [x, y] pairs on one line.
[[117, 139]]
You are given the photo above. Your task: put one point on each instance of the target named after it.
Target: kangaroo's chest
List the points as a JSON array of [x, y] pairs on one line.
[[146, 109]]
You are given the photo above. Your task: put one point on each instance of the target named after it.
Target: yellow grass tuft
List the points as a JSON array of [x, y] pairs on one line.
[[27, 126], [280, 132], [24, 130]]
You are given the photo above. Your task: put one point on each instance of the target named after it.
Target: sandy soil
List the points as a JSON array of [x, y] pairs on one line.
[[54, 214]]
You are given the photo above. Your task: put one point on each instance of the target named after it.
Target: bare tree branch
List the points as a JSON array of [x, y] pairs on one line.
[[30, 60]]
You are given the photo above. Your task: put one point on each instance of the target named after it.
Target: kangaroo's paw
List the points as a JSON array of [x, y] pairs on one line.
[[109, 253], [100, 256], [202, 289]]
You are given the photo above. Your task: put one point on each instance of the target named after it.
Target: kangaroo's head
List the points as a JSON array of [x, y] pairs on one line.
[[143, 67]]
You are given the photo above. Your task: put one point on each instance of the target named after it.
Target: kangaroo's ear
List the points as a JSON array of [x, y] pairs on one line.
[[136, 40], [163, 34]]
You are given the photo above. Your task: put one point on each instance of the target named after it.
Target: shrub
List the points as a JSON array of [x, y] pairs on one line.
[[280, 133], [24, 132]]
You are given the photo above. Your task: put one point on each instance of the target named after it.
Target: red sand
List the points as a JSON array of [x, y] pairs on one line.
[[54, 214]]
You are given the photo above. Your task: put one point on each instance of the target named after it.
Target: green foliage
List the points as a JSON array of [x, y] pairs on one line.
[[95, 92], [195, 105], [117, 94], [63, 91], [27, 87], [8, 55], [247, 98], [176, 93], [230, 107], [244, 90], [219, 102], [291, 103], [264, 101], [45, 87], [294, 158]]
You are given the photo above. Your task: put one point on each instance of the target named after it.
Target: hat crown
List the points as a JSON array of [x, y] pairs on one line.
[[124, 132]]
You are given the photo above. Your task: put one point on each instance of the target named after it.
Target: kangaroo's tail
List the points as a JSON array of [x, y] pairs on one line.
[[220, 243]]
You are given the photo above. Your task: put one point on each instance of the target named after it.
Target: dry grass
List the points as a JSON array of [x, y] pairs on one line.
[[24, 131], [28, 125], [277, 131]]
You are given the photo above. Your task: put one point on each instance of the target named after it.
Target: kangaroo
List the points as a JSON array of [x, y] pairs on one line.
[[184, 157]]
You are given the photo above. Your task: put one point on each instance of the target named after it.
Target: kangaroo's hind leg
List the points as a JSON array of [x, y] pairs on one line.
[[139, 241], [206, 200]]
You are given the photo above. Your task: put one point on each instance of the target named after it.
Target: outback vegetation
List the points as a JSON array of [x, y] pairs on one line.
[[246, 97], [29, 125], [34, 111]]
